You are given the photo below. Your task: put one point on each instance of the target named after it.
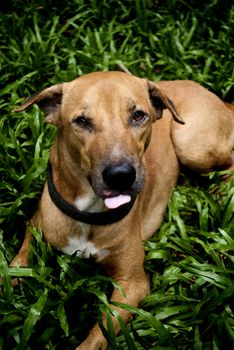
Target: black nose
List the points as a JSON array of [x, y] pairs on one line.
[[119, 177]]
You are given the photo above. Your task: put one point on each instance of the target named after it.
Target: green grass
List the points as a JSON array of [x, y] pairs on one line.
[[190, 259]]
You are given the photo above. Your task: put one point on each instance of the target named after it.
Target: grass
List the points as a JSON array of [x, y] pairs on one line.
[[190, 259]]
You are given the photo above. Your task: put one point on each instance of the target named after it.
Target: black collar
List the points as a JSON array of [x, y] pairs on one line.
[[100, 218]]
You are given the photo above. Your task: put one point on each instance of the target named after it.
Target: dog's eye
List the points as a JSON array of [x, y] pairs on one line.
[[83, 122], [139, 117]]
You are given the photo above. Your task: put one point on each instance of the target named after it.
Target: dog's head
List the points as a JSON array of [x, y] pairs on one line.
[[104, 122]]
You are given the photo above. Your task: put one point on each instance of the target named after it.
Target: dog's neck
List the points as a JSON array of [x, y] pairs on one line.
[[92, 218]]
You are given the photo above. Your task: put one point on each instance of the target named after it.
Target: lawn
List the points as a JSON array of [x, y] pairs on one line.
[[190, 259]]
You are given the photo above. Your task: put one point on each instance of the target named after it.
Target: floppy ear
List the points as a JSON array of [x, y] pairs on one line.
[[48, 100], [160, 101]]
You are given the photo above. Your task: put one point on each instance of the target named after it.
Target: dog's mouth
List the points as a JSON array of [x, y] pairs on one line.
[[113, 200], [118, 184]]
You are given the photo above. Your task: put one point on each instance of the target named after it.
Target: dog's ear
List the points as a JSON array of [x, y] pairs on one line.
[[160, 102], [48, 100]]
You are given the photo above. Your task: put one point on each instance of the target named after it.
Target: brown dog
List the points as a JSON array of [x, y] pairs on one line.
[[108, 185]]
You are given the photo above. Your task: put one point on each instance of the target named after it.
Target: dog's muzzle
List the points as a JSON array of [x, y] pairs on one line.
[[119, 177], [119, 180]]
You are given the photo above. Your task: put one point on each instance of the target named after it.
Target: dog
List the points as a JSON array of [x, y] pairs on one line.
[[112, 168]]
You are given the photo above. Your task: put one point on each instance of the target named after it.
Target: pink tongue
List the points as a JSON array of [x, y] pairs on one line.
[[115, 202]]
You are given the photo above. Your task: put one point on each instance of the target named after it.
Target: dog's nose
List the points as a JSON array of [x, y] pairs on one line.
[[120, 176]]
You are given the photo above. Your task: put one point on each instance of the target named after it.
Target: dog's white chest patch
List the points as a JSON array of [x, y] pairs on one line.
[[84, 248]]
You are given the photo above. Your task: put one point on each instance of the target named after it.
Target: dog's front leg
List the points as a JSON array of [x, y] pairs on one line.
[[134, 286], [21, 259], [135, 291]]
